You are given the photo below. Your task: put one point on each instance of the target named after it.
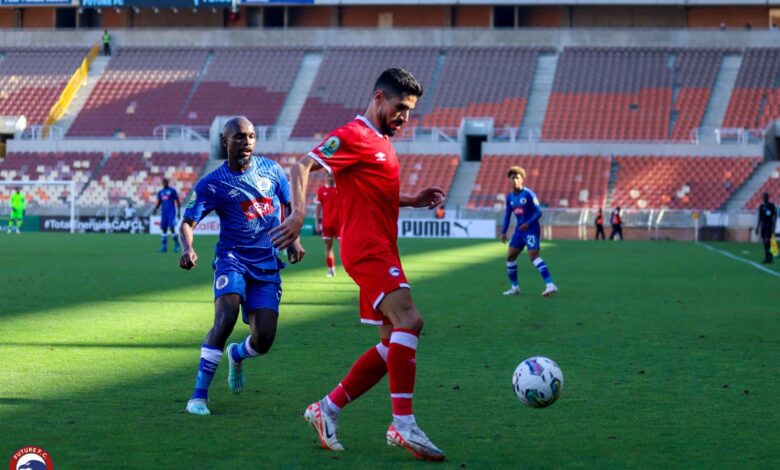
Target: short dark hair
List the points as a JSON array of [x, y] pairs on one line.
[[398, 82]]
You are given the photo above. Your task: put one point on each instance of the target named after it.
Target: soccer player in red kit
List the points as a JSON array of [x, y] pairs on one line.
[[365, 166], [328, 220]]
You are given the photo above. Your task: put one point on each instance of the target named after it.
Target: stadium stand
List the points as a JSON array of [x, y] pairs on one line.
[[344, 81], [648, 182], [47, 166], [31, 80], [138, 176], [694, 77], [558, 181], [627, 93], [417, 171], [140, 89], [755, 100], [258, 91], [463, 89], [771, 186]]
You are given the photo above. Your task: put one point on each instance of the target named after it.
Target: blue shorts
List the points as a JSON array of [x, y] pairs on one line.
[[254, 293], [529, 239], [168, 222]]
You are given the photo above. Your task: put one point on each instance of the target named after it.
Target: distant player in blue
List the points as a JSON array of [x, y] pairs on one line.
[[248, 194], [168, 198], [522, 202]]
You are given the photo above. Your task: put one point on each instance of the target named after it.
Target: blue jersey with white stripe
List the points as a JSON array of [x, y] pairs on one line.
[[525, 206], [248, 204], [168, 199]]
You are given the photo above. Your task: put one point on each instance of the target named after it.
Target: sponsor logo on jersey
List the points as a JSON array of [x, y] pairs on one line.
[[32, 458], [192, 201], [234, 192], [221, 282], [330, 146], [519, 210], [381, 157], [263, 184], [395, 272], [258, 207]]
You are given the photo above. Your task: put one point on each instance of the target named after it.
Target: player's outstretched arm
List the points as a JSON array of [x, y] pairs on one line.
[[430, 197], [188, 255], [284, 235]]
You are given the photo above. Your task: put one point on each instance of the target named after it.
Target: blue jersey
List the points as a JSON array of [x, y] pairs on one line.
[[168, 198], [248, 204], [525, 206]]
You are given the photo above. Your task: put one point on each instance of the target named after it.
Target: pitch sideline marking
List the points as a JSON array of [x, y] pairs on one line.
[[752, 263]]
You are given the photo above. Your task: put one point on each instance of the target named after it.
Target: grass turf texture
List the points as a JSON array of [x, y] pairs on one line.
[[669, 351]]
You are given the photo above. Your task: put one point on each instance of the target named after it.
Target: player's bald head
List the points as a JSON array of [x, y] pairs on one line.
[[236, 125]]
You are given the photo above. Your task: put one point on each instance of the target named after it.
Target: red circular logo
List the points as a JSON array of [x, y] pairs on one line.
[[30, 458]]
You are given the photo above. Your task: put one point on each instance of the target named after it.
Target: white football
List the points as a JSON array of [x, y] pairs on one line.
[[538, 382]]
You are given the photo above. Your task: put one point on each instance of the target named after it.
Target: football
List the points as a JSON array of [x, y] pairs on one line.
[[537, 382]]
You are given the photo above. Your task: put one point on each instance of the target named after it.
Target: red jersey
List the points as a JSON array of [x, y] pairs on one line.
[[366, 171], [331, 206]]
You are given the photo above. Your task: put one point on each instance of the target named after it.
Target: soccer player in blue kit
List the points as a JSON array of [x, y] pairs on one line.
[[168, 198], [522, 202], [248, 194]]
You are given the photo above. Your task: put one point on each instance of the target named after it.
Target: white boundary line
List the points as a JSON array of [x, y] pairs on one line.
[[752, 263]]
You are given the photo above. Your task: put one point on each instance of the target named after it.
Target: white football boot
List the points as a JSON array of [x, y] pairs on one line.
[[515, 290], [550, 290], [415, 442], [327, 426]]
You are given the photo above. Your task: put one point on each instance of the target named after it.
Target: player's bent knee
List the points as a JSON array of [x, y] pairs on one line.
[[262, 341]]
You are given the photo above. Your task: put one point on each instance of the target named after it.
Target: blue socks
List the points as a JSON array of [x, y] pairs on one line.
[[243, 351], [543, 271], [511, 270], [165, 241], [209, 360]]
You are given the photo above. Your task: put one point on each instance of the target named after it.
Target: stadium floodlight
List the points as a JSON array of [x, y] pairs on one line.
[[70, 183]]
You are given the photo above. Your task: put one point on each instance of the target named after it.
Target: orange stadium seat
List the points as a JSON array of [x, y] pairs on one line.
[[558, 181], [755, 101], [29, 166], [627, 93], [139, 176], [31, 80], [706, 183]]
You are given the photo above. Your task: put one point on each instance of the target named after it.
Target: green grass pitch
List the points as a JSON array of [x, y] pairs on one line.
[[670, 354]]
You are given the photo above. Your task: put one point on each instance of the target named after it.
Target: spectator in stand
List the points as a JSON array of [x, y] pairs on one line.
[[106, 43]]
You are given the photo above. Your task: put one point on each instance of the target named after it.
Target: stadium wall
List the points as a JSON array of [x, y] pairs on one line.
[[618, 148], [627, 16], [8, 17], [330, 37], [731, 16]]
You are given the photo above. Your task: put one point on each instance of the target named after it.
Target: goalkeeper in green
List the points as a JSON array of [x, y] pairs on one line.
[[17, 211]]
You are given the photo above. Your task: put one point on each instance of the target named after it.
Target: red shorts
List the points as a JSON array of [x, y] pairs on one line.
[[329, 233], [376, 278]]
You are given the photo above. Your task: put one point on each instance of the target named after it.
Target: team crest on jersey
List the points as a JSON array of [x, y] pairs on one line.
[[330, 146], [395, 272], [263, 184], [192, 201], [221, 282], [258, 207], [523, 200]]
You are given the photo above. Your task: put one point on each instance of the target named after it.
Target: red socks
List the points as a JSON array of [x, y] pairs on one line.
[[402, 367], [330, 261], [364, 374]]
